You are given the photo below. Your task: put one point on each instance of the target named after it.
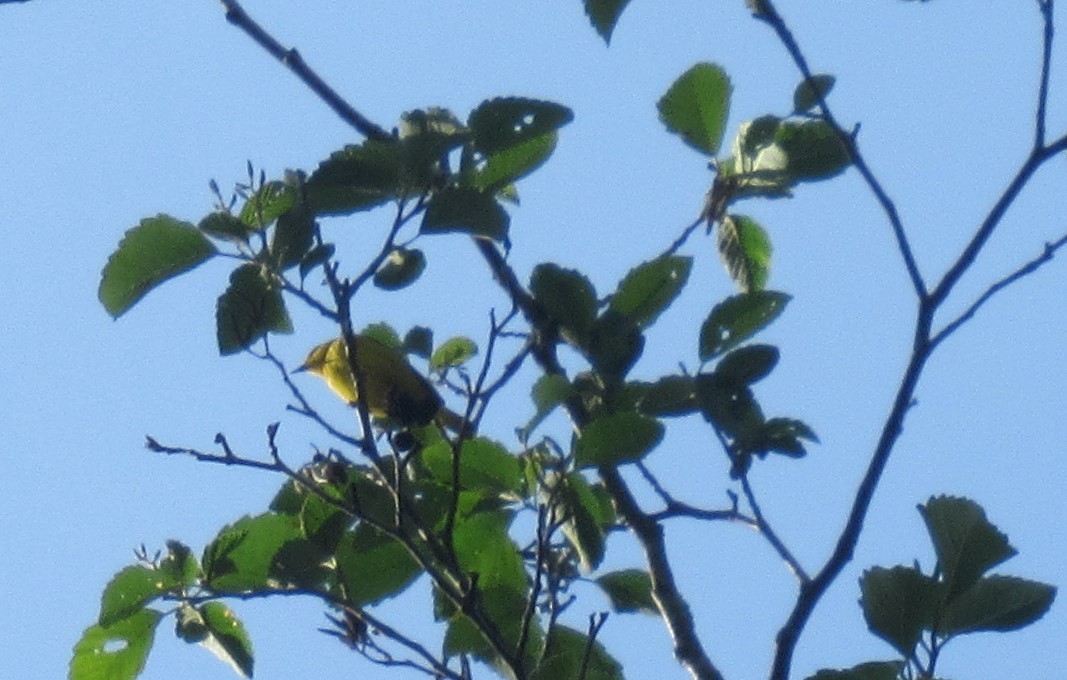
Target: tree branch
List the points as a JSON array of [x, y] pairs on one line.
[[237, 16], [1047, 8], [765, 11]]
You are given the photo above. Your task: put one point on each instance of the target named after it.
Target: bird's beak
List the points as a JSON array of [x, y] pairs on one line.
[[299, 369]]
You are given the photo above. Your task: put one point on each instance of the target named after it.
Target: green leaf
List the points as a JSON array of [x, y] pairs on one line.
[[966, 543], [730, 406], [419, 341], [696, 105], [129, 591], [737, 319], [548, 392], [808, 92], [115, 652], [356, 178], [157, 249], [250, 308], [753, 135], [671, 395], [293, 236], [783, 435], [745, 249], [267, 204], [454, 352], [504, 123], [648, 289], [401, 268], [179, 566], [616, 439], [241, 557], [630, 590], [583, 528], [383, 333], [374, 566], [225, 226], [604, 15], [747, 365], [898, 604], [568, 297], [565, 654], [996, 603], [468, 211], [315, 257], [615, 344], [485, 466], [228, 639], [872, 670], [813, 149], [512, 164]]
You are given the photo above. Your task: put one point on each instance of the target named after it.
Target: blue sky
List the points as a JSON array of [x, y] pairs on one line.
[[111, 112]]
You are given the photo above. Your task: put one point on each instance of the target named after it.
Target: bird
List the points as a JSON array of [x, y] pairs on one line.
[[395, 390]]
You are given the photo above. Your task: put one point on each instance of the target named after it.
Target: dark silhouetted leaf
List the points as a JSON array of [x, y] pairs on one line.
[[672, 395], [872, 670], [808, 92], [466, 210], [224, 225], [401, 268], [374, 566], [966, 543], [615, 343], [567, 297], [996, 603], [157, 249], [250, 308], [898, 604], [501, 124], [747, 365], [565, 652], [604, 15], [812, 149], [630, 590]]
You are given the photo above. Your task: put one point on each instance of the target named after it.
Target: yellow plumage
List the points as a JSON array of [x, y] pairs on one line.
[[394, 389]]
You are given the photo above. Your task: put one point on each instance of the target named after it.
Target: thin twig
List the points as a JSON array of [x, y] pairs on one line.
[[1028, 268], [1047, 8], [237, 16], [767, 532]]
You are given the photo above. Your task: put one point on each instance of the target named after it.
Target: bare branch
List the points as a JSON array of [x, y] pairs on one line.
[[237, 16], [1047, 8], [767, 532], [764, 10], [1028, 268]]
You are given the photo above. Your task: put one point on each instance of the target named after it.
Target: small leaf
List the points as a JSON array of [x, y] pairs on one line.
[[813, 149], [747, 365], [250, 308], [583, 528], [401, 268], [616, 439], [454, 352], [419, 341], [548, 392], [115, 652], [568, 298], [129, 591], [241, 557], [267, 204], [315, 257], [383, 333], [157, 249], [996, 603], [872, 670], [737, 319], [224, 225], [966, 543], [898, 604], [672, 395], [604, 15], [745, 249], [730, 406], [696, 105], [783, 435], [512, 164], [485, 466], [228, 639], [808, 92], [630, 590], [180, 566], [293, 236], [648, 289], [465, 210], [501, 124]]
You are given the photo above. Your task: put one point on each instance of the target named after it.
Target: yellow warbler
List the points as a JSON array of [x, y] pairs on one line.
[[394, 389]]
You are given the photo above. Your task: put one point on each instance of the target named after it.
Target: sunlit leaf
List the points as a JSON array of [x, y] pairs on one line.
[[454, 352], [374, 566], [157, 249], [616, 439], [648, 289], [115, 652], [696, 105], [745, 249], [568, 652], [267, 204], [737, 319], [227, 638]]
